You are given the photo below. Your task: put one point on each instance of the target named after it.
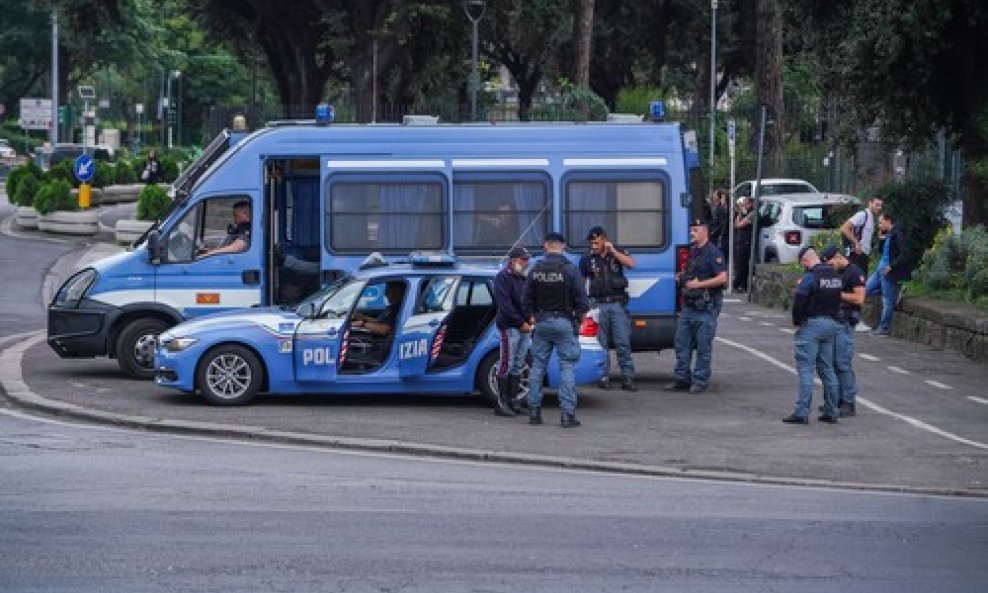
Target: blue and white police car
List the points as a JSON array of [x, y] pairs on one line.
[[423, 326]]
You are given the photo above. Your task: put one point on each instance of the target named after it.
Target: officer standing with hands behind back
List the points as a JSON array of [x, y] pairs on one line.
[[701, 284], [604, 268], [555, 295]]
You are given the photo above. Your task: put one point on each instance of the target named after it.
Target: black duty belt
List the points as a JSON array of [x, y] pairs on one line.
[[551, 315], [613, 298]]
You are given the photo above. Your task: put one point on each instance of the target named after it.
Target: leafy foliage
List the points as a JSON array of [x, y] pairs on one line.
[[958, 263], [27, 187], [124, 172], [152, 202], [917, 206], [104, 174], [17, 175], [54, 195]]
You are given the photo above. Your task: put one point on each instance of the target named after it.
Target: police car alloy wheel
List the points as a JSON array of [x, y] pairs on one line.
[[135, 347], [487, 379], [229, 375]]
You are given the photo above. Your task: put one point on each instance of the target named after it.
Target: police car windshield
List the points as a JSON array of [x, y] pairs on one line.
[[335, 300]]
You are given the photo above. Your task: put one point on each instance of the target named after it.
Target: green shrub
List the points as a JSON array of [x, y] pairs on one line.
[[14, 178], [957, 263], [123, 173], [104, 174], [27, 188], [917, 206], [152, 203], [62, 171], [825, 239], [637, 99], [54, 195], [169, 169]]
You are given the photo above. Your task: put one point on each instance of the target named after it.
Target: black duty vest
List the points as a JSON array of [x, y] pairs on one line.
[[551, 288], [825, 298], [606, 277]]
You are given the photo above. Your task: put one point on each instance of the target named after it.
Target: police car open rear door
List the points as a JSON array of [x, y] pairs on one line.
[[422, 336]]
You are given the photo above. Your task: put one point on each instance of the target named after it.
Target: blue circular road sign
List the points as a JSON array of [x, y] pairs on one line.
[[84, 168]]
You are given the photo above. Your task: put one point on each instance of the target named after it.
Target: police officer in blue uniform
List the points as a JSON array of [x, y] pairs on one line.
[[237, 234], [814, 313], [555, 295], [852, 296], [701, 284], [604, 268]]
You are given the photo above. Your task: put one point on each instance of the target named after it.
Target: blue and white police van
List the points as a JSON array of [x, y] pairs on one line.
[[329, 195], [434, 333]]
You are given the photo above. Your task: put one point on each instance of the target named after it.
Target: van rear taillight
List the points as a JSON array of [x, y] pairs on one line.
[[588, 329], [682, 257], [793, 237]]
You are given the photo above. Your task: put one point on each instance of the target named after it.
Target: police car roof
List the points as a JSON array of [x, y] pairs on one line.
[[408, 269]]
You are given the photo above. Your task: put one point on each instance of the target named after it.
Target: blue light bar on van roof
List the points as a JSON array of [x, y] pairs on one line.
[[657, 110], [324, 114], [432, 259]]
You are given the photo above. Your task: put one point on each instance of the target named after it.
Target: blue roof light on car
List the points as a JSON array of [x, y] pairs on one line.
[[325, 114], [432, 259], [657, 111]]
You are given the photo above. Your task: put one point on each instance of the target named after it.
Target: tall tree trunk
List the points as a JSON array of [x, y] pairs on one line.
[[768, 80], [975, 148], [584, 35]]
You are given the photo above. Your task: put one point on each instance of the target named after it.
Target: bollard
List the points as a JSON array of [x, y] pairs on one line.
[[84, 195]]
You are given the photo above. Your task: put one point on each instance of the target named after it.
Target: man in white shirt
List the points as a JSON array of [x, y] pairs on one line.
[[857, 232]]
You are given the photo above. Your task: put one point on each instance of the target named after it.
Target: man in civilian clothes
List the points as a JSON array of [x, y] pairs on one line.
[[893, 268], [513, 328]]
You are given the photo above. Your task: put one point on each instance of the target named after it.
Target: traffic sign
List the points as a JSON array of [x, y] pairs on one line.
[[35, 114], [84, 168]]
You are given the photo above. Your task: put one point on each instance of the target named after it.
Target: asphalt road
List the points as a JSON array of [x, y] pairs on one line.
[[94, 509]]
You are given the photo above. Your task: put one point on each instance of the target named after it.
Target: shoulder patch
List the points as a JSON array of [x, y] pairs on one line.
[[719, 260]]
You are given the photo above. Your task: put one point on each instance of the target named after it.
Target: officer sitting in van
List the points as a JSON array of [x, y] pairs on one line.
[[237, 234]]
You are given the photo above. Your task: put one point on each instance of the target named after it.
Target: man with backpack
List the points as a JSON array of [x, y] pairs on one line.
[[857, 232]]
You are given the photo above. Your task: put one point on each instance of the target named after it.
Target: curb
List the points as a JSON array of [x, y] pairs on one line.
[[16, 391]]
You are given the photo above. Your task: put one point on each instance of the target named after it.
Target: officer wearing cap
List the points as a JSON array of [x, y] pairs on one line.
[[603, 268], [555, 295], [814, 313], [701, 284], [852, 296], [513, 328]]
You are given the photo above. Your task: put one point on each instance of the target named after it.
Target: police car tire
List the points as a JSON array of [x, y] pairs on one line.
[[135, 332], [230, 353], [485, 369]]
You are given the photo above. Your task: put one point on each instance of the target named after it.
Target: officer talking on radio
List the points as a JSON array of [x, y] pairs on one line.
[[555, 295], [701, 284], [604, 268]]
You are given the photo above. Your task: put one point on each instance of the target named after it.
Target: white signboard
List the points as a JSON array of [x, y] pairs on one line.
[[35, 114]]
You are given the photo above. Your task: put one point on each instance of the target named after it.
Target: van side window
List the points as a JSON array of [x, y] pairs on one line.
[[632, 211], [205, 226], [391, 216], [495, 214]]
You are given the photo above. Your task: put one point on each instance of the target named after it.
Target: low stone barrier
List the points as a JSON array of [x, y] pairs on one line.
[[26, 217], [940, 324], [66, 222], [127, 231]]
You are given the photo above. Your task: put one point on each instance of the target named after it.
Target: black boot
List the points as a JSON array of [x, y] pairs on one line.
[[568, 420], [534, 415], [503, 394], [514, 388]]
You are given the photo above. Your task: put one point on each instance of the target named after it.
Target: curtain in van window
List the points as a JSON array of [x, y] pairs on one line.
[[404, 209], [464, 223], [305, 202], [589, 204], [532, 215]]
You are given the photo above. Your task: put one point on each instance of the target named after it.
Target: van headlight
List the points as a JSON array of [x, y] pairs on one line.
[[177, 344], [75, 288]]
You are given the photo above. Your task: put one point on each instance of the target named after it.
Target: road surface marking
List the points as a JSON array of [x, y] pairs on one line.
[[15, 337], [869, 357], [765, 323], [743, 318], [937, 384], [864, 402], [980, 400], [787, 330], [899, 370]]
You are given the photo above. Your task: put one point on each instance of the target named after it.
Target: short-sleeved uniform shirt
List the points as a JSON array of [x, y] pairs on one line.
[[240, 231], [851, 278], [705, 263]]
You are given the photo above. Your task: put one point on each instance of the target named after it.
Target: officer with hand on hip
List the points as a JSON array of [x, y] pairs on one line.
[[554, 294], [604, 268], [701, 286]]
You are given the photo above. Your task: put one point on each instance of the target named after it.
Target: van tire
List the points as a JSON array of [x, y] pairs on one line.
[[136, 344], [214, 371]]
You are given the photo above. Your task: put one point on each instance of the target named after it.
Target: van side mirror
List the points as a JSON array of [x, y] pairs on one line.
[[156, 250], [308, 310]]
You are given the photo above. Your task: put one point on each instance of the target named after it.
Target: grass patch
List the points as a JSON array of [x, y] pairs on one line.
[[915, 288]]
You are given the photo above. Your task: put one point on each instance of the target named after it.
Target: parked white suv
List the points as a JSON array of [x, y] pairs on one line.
[[774, 186], [6, 150], [787, 222]]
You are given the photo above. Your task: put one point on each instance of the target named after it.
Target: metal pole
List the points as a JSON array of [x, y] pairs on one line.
[[374, 84], [730, 217], [754, 218], [474, 77], [53, 130], [168, 107], [713, 90]]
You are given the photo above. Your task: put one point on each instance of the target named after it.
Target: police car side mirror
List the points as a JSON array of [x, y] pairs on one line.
[[307, 310], [156, 250]]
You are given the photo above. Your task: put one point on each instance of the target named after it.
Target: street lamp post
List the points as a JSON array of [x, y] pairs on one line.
[[139, 110], [475, 11], [713, 89], [173, 75]]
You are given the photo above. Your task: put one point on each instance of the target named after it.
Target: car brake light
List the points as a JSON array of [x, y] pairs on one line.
[[793, 237], [588, 329]]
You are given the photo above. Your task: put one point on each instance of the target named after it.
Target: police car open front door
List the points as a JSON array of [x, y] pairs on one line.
[[422, 335], [318, 341]]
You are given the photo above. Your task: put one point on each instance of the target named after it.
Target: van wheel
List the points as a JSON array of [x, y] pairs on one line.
[[487, 379], [135, 347], [229, 375]]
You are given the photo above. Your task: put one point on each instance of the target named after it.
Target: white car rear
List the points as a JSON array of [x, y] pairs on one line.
[[775, 186], [787, 222]]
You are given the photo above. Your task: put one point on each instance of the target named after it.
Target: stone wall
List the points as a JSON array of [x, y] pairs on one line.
[[940, 324]]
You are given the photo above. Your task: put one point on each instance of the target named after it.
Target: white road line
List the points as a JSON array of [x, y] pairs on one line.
[[937, 384], [869, 357], [743, 318], [16, 337], [864, 402], [899, 370], [765, 323], [980, 400], [787, 330]]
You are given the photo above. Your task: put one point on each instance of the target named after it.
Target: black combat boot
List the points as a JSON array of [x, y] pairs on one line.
[[514, 388], [534, 415], [503, 394], [568, 420]]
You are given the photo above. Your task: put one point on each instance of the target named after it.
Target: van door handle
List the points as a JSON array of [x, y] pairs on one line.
[[433, 322], [251, 276]]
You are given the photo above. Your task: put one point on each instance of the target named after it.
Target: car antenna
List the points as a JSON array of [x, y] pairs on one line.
[[500, 262]]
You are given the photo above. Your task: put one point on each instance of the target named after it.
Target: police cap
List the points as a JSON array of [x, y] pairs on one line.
[[803, 252], [698, 222], [828, 253], [554, 237], [519, 253]]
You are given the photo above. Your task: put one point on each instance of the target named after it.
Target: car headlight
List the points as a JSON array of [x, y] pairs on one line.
[[177, 344], [75, 288]]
